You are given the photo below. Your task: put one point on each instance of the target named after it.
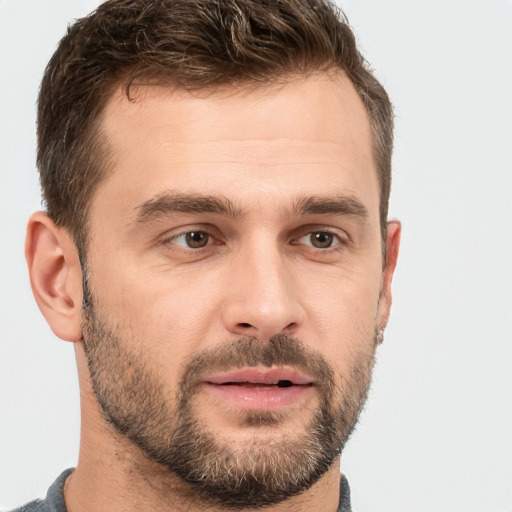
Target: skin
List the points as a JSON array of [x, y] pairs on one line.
[[265, 150]]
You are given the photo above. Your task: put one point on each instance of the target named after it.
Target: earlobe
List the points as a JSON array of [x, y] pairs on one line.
[[392, 249], [55, 275]]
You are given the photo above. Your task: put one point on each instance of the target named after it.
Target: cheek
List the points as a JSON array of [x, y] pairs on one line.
[[343, 319], [169, 313], [342, 299]]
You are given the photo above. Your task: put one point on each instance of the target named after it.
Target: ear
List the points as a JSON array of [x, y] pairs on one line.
[[55, 275], [392, 247]]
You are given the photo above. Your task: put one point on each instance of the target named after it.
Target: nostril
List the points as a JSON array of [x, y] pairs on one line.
[[244, 324]]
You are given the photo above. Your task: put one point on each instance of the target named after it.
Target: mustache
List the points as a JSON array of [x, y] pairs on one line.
[[280, 350]]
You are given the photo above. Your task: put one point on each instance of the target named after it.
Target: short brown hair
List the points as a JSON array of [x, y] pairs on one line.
[[190, 44]]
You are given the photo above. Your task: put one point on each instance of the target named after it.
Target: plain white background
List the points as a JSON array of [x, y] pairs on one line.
[[436, 434]]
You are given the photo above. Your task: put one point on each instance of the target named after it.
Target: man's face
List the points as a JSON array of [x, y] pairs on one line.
[[235, 272]]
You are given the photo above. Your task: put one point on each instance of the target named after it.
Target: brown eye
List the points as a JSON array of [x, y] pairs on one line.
[[321, 239], [196, 239], [191, 239]]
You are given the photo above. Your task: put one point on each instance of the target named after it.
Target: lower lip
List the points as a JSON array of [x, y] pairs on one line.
[[260, 399]]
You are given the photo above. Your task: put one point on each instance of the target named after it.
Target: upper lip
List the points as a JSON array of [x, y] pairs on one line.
[[260, 376]]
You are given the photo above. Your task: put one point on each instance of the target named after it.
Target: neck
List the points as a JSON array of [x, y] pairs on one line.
[[111, 487]]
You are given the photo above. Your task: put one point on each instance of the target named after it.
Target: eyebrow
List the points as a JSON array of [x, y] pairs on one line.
[[169, 203], [339, 204]]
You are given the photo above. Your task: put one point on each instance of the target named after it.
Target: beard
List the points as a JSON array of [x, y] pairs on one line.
[[169, 429]]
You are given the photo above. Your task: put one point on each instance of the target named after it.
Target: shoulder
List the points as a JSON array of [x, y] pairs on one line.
[[54, 501], [33, 506], [344, 505]]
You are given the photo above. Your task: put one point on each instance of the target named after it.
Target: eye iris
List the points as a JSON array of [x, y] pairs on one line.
[[322, 240], [197, 239]]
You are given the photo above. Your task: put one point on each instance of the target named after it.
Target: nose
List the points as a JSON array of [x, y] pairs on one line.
[[262, 299]]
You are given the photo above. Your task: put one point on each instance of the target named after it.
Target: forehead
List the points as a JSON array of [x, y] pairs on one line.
[[307, 107], [302, 133]]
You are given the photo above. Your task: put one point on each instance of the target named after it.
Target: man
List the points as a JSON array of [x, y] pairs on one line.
[[216, 245]]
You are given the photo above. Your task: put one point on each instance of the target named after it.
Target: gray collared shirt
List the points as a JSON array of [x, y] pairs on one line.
[[54, 501]]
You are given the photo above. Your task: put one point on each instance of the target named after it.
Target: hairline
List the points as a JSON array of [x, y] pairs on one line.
[[95, 137]]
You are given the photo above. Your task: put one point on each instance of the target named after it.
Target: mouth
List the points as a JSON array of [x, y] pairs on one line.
[[280, 384], [260, 389]]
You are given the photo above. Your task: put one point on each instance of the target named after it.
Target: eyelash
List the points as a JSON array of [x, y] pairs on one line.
[[171, 240], [185, 233], [342, 240]]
